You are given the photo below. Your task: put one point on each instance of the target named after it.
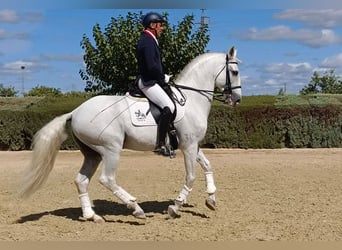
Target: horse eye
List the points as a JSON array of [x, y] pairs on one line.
[[235, 72]]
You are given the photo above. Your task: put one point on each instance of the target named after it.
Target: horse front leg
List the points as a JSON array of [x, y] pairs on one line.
[[190, 155], [209, 179]]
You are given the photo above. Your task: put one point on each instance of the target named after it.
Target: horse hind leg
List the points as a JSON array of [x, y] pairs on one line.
[[108, 179], [89, 166]]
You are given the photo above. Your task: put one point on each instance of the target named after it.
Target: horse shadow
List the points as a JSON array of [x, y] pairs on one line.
[[104, 208]]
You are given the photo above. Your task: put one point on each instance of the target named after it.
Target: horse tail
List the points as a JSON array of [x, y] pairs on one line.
[[46, 144]]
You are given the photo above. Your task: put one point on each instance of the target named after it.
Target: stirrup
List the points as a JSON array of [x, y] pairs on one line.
[[172, 152], [164, 151]]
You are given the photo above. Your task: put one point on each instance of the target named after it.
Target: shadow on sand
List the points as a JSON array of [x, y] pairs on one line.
[[103, 208]]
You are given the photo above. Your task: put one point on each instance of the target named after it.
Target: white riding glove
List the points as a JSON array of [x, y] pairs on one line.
[[167, 78]]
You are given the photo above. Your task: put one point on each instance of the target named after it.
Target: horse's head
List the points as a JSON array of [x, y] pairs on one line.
[[229, 80]]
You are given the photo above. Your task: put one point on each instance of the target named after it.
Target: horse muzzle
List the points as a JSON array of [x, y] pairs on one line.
[[233, 101]]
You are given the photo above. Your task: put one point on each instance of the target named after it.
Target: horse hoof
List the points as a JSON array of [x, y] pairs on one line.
[[95, 218], [98, 219], [210, 203], [139, 214], [173, 211]]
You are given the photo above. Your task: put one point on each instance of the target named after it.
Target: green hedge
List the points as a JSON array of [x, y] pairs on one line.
[[271, 127], [260, 122], [21, 118]]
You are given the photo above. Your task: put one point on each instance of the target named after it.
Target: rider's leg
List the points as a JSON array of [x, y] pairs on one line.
[[158, 96], [163, 126]]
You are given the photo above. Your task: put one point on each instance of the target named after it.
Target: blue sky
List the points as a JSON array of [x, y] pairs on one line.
[[279, 46]]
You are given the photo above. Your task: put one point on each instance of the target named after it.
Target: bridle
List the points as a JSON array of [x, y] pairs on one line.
[[226, 93], [228, 89]]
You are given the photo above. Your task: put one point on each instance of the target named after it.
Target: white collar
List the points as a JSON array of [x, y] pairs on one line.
[[153, 36]]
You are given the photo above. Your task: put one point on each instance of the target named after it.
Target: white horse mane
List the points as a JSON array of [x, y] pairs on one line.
[[193, 64]]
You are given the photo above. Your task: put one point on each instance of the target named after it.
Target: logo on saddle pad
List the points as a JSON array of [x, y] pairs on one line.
[[140, 111], [140, 116]]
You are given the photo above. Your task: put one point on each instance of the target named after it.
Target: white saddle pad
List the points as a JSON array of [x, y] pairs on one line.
[[139, 109]]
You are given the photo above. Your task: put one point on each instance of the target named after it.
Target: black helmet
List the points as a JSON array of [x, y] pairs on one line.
[[152, 17]]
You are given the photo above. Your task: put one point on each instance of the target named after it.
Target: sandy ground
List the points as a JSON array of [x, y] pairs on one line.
[[262, 195]]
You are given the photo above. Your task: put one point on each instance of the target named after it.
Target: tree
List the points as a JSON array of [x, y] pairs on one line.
[[281, 91], [111, 63], [7, 92], [180, 44], [329, 83], [43, 91]]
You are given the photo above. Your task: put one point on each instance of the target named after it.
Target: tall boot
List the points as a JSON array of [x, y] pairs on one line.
[[163, 127]]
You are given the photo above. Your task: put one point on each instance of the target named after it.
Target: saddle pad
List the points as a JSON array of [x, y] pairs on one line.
[[139, 109]]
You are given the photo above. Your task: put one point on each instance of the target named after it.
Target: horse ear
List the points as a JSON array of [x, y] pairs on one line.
[[232, 52]]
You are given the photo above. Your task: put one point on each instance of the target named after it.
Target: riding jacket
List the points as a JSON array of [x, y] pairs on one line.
[[150, 67]]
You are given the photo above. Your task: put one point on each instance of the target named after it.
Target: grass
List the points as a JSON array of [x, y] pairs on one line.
[[19, 103]]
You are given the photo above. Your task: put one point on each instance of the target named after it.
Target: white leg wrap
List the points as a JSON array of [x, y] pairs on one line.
[[209, 179], [124, 196], [183, 194], [87, 210]]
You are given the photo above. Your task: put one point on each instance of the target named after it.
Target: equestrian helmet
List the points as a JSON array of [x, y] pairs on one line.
[[152, 17]]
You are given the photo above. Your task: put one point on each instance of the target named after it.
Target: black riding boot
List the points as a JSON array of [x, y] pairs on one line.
[[163, 126]]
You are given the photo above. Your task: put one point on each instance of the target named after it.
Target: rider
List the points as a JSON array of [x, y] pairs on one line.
[[153, 81]]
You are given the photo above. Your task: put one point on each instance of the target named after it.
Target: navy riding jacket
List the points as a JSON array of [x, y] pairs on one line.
[[150, 66]]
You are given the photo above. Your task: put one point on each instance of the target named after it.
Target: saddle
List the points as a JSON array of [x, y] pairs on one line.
[[146, 113]]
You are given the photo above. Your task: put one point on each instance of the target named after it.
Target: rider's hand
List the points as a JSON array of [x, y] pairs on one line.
[[167, 78]]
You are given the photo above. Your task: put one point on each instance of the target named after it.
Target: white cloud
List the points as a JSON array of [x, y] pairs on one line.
[[58, 57], [326, 18], [15, 67], [288, 68], [312, 38], [270, 78], [273, 83], [35, 64], [293, 75], [11, 16], [13, 35], [332, 62], [16, 33], [8, 16]]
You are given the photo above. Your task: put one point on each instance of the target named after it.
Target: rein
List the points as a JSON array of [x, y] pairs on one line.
[[227, 88], [203, 92]]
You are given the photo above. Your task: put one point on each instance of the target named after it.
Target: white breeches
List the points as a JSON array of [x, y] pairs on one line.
[[157, 95]]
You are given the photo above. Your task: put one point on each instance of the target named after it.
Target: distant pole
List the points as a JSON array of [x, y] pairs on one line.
[[22, 80], [204, 19]]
